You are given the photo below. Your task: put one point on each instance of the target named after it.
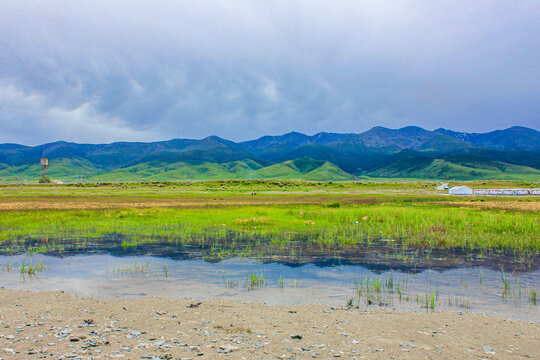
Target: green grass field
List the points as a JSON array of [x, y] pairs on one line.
[[408, 223], [406, 213]]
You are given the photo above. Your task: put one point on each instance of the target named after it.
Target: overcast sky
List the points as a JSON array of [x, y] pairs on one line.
[[102, 71]]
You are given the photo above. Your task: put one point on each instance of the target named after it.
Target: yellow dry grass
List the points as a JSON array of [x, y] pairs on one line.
[[111, 202], [530, 206]]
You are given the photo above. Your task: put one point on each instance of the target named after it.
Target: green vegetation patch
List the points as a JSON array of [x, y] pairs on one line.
[[407, 223]]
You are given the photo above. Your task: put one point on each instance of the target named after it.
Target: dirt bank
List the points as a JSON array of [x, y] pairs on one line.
[[58, 325]]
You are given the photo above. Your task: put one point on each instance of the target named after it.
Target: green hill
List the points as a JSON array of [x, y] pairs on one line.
[[304, 168], [441, 143], [285, 170], [195, 172], [156, 170], [458, 167], [66, 169], [328, 172]]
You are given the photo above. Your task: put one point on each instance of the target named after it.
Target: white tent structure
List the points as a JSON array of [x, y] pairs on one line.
[[460, 190], [442, 187]]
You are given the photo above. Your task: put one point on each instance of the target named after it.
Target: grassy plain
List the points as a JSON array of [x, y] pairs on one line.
[[408, 213]]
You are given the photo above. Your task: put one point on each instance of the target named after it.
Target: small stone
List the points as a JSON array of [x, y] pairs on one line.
[[296, 336], [227, 348]]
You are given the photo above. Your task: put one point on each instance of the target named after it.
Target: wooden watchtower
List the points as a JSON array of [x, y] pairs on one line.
[[44, 162]]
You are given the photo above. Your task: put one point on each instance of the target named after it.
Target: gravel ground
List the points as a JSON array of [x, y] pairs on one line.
[[56, 325]]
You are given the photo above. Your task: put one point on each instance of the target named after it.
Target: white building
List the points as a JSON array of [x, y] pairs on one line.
[[507, 192], [460, 190]]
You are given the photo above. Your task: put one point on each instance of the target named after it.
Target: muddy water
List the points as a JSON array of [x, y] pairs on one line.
[[442, 282]]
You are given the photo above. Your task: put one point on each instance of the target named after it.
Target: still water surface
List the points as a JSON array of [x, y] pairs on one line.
[[495, 284]]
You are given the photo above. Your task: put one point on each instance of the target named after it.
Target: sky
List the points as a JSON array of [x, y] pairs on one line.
[[104, 71]]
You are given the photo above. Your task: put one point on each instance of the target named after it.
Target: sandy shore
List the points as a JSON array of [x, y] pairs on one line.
[[63, 326]]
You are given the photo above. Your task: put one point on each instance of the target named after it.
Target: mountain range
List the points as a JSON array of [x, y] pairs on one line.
[[409, 152]]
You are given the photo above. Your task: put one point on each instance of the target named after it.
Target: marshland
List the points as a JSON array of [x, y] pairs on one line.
[[399, 245], [269, 180]]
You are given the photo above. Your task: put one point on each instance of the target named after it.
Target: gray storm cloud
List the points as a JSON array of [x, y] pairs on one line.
[[103, 71]]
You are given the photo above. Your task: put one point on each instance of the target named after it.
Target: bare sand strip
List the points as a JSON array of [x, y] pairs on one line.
[[59, 325]]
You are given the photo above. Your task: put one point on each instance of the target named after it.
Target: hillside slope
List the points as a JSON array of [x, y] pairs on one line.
[[308, 169], [410, 164]]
